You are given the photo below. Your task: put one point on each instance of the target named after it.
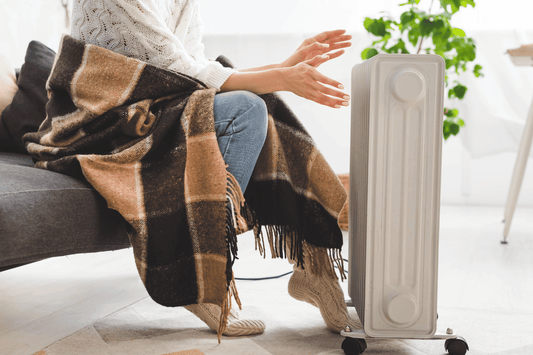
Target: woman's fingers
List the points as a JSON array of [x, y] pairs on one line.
[[317, 60], [316, 48], [327, 95], [343, 38], [326, 100], [324, 36], [331, 97], [328, 42], [323, 48], [328, 37], [318, 76], [331, 92], [339, 45], [306, 81], [335, 54]]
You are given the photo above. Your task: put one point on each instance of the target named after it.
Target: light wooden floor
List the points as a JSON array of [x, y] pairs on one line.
[[95, 304]]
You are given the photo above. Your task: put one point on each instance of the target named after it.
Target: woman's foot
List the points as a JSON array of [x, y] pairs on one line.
[[326, 294], [238, 325]]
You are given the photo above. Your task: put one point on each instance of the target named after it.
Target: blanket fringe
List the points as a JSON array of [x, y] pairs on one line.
[[234, 222], [226, 308], [285, 242], [224, 314], [236, 197]]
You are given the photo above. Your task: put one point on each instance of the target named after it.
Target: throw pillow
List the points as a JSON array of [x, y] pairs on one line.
[[8, 82], [8, 86], [26, 112]]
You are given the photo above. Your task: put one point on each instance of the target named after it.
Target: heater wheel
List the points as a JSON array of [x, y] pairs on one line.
[[457, 346], [353, 346]]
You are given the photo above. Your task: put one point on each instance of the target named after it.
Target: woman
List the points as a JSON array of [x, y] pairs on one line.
[[168, 34]]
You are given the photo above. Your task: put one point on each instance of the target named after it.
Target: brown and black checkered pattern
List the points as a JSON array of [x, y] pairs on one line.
[[144, 138]]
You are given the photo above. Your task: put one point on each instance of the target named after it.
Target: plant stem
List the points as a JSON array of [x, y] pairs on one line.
[[422, 39], [420, 45]]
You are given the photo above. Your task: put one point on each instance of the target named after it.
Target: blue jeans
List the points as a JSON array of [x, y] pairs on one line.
[[241, 121]]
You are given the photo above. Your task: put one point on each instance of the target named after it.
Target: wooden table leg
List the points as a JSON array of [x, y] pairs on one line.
[[518, 173]]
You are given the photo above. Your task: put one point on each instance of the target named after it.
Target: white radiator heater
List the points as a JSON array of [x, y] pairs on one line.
[[395, 170]]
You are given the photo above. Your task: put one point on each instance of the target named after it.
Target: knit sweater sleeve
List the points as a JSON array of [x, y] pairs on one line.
[[136, 28]]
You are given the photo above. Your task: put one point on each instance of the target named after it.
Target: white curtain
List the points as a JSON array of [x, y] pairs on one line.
[[497, 105]]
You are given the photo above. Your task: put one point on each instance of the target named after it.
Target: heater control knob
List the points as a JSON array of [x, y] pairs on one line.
[[407, 85]]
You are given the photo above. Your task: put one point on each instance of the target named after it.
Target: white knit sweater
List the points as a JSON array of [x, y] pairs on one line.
[[165, 33]]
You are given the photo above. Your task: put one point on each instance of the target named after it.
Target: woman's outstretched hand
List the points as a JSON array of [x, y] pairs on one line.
[[303, 79], [298, 74], [321, 44]]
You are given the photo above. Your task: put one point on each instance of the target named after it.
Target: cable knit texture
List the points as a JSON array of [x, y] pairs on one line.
[[326, 294], [165, 33], [238, 325]]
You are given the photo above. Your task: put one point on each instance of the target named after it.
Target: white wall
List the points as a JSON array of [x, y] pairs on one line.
[[237, 28], [22, 21]]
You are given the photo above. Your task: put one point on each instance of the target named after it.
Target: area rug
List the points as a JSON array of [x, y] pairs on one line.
[[185, 352]]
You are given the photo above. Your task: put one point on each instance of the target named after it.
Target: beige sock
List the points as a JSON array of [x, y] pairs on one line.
[[238, 325], [326, 294]]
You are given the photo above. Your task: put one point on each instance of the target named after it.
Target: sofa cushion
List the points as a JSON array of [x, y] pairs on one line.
[[45, 214], [16, 159], [27, 109]]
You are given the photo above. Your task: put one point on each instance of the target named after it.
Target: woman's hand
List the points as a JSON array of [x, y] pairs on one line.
[[304, 80], [323, 43], [298, 73]]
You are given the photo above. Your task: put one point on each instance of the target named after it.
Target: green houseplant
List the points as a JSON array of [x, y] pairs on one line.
[[418, 31]]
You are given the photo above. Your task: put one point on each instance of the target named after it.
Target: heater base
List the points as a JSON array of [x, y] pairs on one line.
[[355, 343]]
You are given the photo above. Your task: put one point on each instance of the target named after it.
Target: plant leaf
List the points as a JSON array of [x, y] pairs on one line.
[[398, 48], [451, 93], [458, 32], [454, 128], [427, 26], [378, 27], [477, 72], [451, 112], [460, 91], [446, 129], [413, 35], [368, 53], [407, 17]]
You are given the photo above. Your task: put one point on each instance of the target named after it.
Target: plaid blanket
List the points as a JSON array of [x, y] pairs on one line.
[[144, 138]]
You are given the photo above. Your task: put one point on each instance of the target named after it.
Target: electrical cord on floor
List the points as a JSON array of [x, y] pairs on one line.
[[263, 278], [272, 277]]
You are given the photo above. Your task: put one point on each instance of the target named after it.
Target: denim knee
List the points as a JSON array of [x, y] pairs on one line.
[[256, 113]]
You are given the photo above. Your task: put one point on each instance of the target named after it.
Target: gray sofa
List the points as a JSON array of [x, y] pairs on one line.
[[45, 214]]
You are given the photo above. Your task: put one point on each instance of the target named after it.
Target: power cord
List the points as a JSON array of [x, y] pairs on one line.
[[262, 278], [273, 277]]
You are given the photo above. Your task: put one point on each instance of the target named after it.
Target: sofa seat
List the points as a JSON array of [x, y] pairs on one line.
[[45, 214]]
